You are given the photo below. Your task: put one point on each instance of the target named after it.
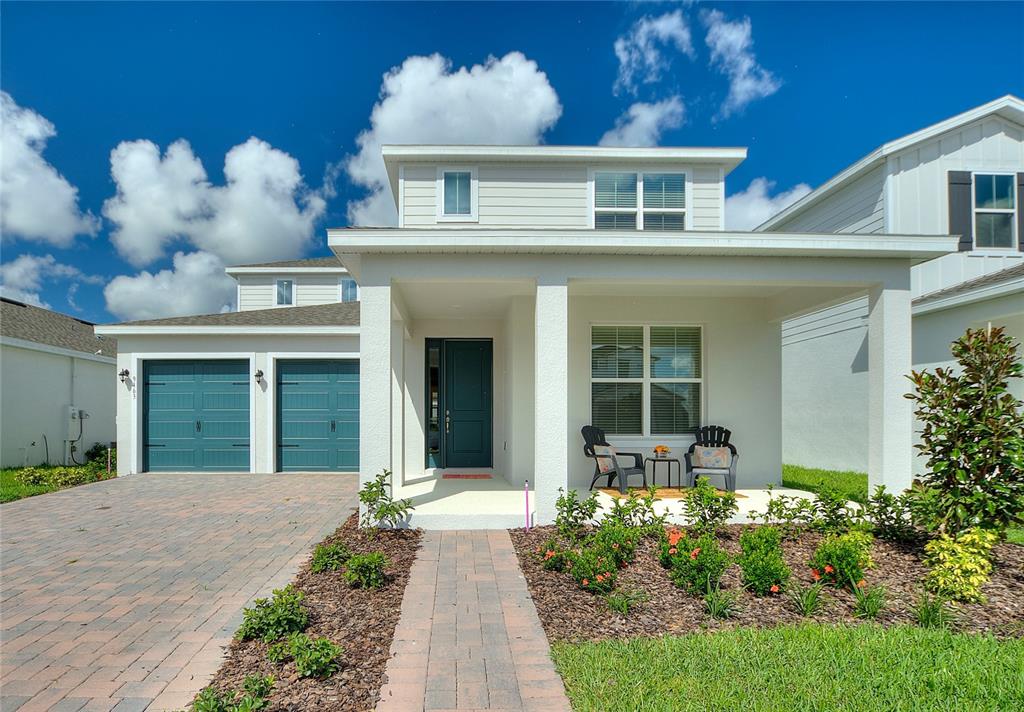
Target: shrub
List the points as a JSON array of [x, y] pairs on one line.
[[763, 569], [972, 436], [272, 619], [807, 600], [791, 514], [58, 477], [842, 559], [366, 570], [593, 569], [552, 556], [97, 456], [637, 512], [832, 511], [314, 657], [617, 540], [705, 509], [572, 514], [381, 509], [890, 515], [622, 602], [932, 611], [252, 697], [868, 601], [699, 564], [721, 604], [960, 566], [329, 557]]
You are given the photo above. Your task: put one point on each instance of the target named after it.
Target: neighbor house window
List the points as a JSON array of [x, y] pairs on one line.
[[349, 292], [646, 380], [456, 194], [995, 204], [644, 201], [285, 292]]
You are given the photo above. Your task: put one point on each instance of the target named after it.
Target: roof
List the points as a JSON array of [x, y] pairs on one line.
[[995, 284], [327, 318], [727, 156], [25, 322], [327, 263], [1008, 107]]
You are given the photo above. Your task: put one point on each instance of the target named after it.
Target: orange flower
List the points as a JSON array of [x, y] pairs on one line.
[[815, 575], [672, 550], [861, 584], [774, 588], [585, 582], [828, 568], [694, 553], [549, 554], [674, 536]]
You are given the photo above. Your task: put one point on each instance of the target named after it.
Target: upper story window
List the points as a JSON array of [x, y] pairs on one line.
[[995, 203], [349, 291], [284, 292], [457, 194], [639, 201]]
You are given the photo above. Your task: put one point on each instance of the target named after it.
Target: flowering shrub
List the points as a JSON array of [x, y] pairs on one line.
[[698, 564], [841, 559], [572, 514], [670, 545], [552, 556], [706, 509], [593, 569], [960, 566], [763, 569], [637, 512], [791, 514], [616, 540]]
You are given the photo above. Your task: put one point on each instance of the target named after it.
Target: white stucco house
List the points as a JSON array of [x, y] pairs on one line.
[[526, 292], [962, 176], [56, 386]]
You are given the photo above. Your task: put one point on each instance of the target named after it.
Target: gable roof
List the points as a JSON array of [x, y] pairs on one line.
[[325, 317], [1009, 107], [326, 261], [26, 322], [1007, 281]]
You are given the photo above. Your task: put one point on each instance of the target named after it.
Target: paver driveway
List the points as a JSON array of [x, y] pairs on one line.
[[122, 594]]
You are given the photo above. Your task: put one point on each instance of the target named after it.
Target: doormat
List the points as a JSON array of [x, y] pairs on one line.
[[465, 477]]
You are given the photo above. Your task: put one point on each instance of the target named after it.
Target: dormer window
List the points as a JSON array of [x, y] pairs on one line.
[[995, 204], [284, 290], [457, 194], [349, 291], [639, 201]]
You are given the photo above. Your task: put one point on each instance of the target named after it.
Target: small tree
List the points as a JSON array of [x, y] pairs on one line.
[[382, 510], [973, 436]]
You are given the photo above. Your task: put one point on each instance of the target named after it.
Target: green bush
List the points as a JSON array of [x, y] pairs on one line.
[[890, 516], [791, 514], [381, 509], [763, 569], [58, 477], [705, 509], [593, 569], [637, 512], [699, 564], [272, 619], [617, 540], [252, 697], [932, 611], [329, 557], [552, 556], [806, 600], [842, 559], [314, 657], [721, 604], [366, 570], [572, 514], [622, 602], [832, 511], [868, 601], [959, 566]]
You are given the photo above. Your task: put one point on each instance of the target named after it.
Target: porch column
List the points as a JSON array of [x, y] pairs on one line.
[[375, 366], [890, 415], [551, 397]]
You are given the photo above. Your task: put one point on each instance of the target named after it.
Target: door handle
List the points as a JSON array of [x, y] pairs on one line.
[[199, 426], [447, 420], [333, 425]]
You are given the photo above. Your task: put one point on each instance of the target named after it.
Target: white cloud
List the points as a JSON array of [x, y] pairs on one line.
[[751, 207], [23, 278], [195, 285], [732, 53], [642, 124], [641, 51], [263, 212], [502, 101], [36, 202]]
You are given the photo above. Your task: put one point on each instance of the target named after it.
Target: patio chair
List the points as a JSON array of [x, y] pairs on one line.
[[593, 437], [712, 436]]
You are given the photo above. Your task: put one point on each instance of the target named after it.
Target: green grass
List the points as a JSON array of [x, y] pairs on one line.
[[11, 489], [808, 667], [852, 484], [1015, 536]]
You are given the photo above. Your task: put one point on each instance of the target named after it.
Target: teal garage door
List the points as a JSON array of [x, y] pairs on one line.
[[196, 416], [318, 415]]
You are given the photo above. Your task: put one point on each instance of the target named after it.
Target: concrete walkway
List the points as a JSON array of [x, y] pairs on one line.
[[469, 636], [122, 594]]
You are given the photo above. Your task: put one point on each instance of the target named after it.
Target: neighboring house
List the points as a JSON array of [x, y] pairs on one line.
[[56, 386], [527, 292], [963, 176]]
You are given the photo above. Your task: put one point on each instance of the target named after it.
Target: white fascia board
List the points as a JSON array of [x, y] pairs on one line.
[[978, 294], [57, 350], [914, 247], [285, 270], [206, 330]]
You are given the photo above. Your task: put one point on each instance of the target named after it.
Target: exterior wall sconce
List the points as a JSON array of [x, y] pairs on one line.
[[258, 375], [123, 374]]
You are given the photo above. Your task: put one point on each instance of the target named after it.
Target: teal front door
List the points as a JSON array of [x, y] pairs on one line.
[[466, 403], [195, 416], [318, 415]]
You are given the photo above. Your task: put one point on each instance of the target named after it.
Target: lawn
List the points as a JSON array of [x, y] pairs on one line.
[[852, 484], [11, 489], [806, 667]]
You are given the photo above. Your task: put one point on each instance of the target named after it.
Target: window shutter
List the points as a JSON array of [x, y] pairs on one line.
[[1020, 212], [961, 211]]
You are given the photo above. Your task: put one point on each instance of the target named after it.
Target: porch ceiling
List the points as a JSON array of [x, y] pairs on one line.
[[460, 300]]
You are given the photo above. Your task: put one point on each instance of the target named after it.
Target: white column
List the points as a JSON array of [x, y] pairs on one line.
[[397, 401], [890, 414], [551, 398], [374, 381]]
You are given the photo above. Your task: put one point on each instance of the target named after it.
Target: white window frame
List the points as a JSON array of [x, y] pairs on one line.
[[686, 210], [646, 380], [1012, 212], [273, 297], [474, 194], [341, 288]]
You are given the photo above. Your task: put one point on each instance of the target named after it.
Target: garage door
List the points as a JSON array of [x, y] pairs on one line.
[[196, 416], [318, 415]]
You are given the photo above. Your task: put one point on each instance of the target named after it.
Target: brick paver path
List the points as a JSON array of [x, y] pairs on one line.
[[469, 636], [122, 594]]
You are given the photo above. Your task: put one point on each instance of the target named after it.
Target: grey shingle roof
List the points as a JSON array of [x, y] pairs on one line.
[[42, 326], [333, 314], [987, 280], [328, 261]]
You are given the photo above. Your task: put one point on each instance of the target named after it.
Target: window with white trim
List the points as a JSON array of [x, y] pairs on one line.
[[349, 291], [457, 193], [995, 202], [629, 200], [646, 380], [284, 291]]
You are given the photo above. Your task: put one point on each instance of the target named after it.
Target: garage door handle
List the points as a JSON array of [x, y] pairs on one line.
[[333, 425], [240, 445], [154, 445], [283, 445], [199, 426]]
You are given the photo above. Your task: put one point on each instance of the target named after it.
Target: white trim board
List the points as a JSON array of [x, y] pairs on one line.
[[205, 329], [57, 350]]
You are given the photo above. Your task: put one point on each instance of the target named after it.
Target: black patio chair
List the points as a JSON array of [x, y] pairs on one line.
[[712, 436], [595, 436]]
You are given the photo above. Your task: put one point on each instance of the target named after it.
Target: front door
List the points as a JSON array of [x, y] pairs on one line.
[[461, 394]]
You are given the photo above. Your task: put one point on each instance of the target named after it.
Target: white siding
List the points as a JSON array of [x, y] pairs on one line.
[[419, 198], [857, 207], [256, 291], [706, 201], [313, 289]]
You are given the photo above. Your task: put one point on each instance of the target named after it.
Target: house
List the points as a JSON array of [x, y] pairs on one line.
[[56, 386], [527, 291], [962, 176]]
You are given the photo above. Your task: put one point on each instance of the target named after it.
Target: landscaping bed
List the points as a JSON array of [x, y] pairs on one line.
[[361, 620], [571, 614]]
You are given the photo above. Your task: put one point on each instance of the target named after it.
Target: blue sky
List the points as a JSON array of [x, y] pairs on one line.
[[813, 87]]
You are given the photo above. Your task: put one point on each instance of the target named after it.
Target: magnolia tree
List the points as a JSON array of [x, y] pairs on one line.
[[973, 436]]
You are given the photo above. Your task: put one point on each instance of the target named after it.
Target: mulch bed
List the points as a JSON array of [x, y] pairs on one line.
[[572, 615], [362, 621]]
